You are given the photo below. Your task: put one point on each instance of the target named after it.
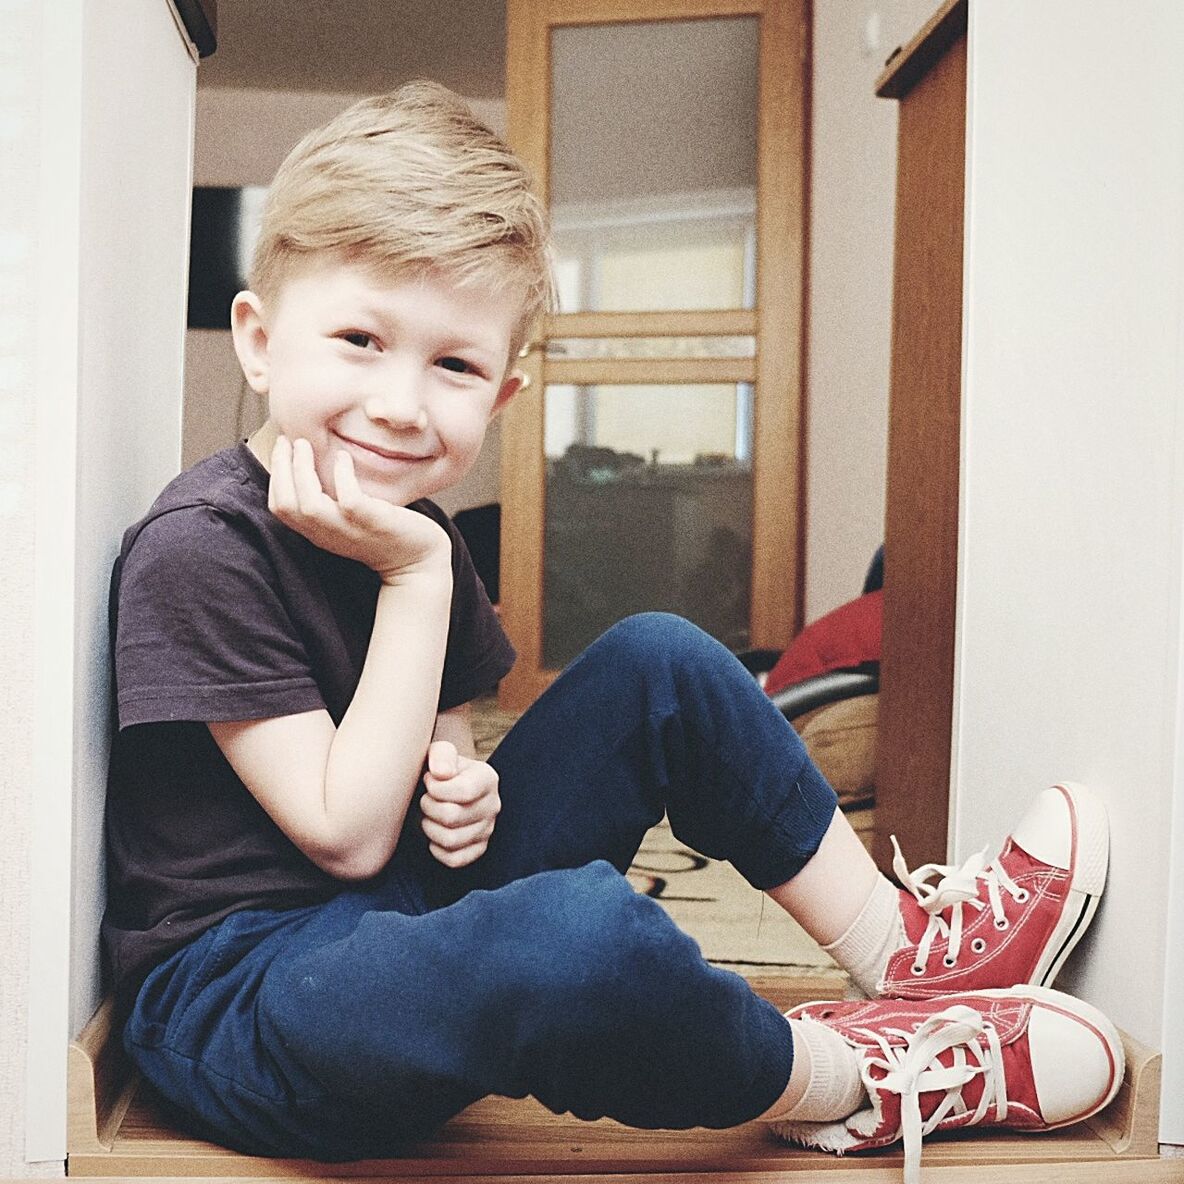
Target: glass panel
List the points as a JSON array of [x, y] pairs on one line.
[[648, 506], [581, 348], [653, 164]]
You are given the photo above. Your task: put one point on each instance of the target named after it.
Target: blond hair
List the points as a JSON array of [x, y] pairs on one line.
[[409, 181]]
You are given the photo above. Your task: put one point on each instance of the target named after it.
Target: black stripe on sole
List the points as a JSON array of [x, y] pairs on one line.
[[1071, 939]]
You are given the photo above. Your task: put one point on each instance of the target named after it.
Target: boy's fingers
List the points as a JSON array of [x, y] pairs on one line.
[[455, 814], [454, 839], [443, 759], [345, 482], [461, 858], [471, 784], [309, 493], [281, 493]]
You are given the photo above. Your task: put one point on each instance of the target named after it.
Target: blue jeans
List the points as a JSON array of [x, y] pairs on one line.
[[352, 1028]]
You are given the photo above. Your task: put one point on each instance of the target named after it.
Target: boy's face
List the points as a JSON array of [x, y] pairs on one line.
[[404, 374]]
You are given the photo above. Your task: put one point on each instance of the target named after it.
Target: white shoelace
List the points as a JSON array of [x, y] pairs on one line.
[[957, 887], [914, 1069]]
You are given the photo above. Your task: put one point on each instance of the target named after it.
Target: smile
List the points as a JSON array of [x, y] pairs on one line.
[[377, 451]]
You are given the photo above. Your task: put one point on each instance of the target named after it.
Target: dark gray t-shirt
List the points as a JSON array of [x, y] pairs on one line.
[[220, 612]]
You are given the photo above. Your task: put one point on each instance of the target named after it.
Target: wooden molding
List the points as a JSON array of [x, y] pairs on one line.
[[923, 470], [912, 61], [778, 542], [1130, 1124], [642, 371], [730, 322], [100, 1084], [523, 484], [603, 12]]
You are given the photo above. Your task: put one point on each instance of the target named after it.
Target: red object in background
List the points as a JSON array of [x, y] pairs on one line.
[[848, 636]]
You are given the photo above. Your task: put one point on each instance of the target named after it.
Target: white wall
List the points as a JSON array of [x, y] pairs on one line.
[[39, 144], [1073, 458], [853, 202], [242, 138], [106, 166]]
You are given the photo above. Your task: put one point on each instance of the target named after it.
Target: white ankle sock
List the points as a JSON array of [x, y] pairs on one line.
[[872, 938], [835, 1089]]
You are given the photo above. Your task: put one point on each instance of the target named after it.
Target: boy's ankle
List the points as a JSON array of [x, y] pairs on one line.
[[832, 1089], [864, 950]]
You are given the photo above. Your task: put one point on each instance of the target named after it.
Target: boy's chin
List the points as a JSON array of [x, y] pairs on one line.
[[397, 493]]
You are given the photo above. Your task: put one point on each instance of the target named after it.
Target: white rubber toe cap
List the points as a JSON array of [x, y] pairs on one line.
[[1046, 830], [1077, 1061]]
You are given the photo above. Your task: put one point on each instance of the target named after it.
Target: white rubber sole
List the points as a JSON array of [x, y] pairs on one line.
[[1091, 854]]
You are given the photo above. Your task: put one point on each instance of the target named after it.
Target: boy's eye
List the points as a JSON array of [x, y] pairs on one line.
[[456, 365], [358, 338]]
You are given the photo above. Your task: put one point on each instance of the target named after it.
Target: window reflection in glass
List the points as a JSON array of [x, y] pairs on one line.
[[653, 164]]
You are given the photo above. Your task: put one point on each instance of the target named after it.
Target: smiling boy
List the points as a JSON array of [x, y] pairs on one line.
[[327, 931], [379, 394]]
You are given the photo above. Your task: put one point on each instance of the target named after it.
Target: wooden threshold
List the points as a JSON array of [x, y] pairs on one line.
[[520, 1139], [1127, 1172], [117, 1130]]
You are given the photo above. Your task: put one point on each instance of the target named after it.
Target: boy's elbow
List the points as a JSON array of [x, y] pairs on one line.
[[353, 862]]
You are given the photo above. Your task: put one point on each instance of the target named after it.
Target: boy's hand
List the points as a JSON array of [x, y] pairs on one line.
[[391, 539], [460, 806]]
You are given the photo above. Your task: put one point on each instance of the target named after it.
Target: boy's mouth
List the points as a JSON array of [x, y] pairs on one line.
[[377, 450]]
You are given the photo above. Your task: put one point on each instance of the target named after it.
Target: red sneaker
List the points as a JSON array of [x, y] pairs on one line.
[[1013, 921], [1027, 1058]]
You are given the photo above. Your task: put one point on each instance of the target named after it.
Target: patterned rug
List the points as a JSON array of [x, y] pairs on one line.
[[735, 926]]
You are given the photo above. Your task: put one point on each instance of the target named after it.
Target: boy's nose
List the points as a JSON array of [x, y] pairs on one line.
[[399, 406]]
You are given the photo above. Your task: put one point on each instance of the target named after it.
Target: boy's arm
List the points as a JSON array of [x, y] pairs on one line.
[[341, 794]]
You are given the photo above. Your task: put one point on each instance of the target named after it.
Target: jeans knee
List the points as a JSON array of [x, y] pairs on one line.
[[614, 947], [651, 640]]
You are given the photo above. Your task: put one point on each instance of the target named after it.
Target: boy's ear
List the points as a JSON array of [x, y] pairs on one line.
[[514, 382], [249, 331]]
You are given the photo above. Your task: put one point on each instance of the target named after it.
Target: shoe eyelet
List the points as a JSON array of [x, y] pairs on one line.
[[978, 946], [917, 970], [947, 961], [1002, 923], [1023, 896], [988, 1026]]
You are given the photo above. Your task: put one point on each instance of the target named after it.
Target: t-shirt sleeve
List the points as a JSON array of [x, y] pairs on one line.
[[201, 632], [479, 652]]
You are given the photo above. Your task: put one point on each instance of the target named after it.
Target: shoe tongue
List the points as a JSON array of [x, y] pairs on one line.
[[915, 918], [890, 1102], [1018, 1081], [1018, 861]]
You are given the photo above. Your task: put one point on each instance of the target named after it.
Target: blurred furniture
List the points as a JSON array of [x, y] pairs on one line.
[[623, 538], [833, 674], [481, 529]]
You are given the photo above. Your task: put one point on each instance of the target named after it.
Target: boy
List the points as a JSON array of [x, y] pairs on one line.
[[327, 933]]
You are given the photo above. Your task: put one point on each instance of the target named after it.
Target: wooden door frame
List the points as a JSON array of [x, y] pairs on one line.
[[778, 320]]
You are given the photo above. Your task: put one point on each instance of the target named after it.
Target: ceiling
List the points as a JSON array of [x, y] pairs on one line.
[[359, 46]]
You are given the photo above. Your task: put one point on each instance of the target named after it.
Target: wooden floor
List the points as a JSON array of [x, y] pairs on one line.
[[519, 1142]]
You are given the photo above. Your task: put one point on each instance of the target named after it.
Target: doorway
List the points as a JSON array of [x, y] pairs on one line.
[[659, 464]]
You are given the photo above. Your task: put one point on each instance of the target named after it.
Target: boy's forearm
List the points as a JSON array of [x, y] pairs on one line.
[[376, 758]]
